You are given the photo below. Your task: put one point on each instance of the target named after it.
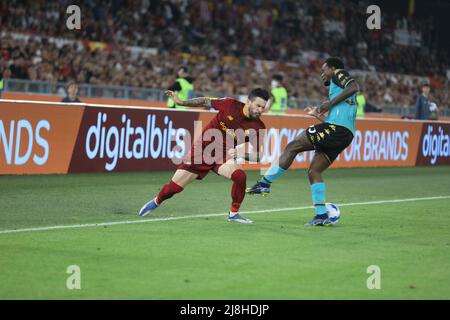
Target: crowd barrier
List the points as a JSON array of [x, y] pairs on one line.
[[51, 137]]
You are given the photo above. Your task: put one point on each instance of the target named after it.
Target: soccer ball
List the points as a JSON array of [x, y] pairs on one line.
[[334, 214]]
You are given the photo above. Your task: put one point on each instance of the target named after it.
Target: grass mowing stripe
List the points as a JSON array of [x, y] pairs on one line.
[[100, 224]]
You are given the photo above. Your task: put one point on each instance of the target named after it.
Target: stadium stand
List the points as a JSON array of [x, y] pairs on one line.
[[230, 46]]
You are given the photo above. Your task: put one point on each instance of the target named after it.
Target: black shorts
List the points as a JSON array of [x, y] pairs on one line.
[[329, 139]]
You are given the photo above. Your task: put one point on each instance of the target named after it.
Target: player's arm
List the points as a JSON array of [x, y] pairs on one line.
[[342, 79], [314, 111], [269, 103], [195, 102]]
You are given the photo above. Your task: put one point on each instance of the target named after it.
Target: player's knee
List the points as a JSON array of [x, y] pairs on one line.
[[239, 176]]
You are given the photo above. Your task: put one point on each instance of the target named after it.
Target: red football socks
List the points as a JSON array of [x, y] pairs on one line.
[[238, 190], [167, 191]]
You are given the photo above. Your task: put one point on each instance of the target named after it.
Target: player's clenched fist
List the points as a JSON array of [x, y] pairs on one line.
[[236, 153], [232, 153], [315, 112]]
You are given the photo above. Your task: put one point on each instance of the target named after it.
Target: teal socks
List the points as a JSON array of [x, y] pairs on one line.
[[318, 197], [272, 174]]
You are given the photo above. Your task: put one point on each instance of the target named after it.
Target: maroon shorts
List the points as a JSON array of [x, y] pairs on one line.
[[200, 169]]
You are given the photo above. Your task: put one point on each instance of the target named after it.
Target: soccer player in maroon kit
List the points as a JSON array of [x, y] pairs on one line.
[[236, 122]]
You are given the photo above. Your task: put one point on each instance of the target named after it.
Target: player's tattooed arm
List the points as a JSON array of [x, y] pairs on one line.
[[348, 91], [195, 102]]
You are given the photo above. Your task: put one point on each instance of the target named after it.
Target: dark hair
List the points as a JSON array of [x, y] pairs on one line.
[[184, 68], [278, 77], [259, 93], [72, 83], [335, 62]]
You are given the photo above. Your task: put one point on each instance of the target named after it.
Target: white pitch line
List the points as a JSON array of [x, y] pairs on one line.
[[101, 224]]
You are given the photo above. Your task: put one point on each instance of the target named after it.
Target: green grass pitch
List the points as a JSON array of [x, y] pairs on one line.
[[206, 257]]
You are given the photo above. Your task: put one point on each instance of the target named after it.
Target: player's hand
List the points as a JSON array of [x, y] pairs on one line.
[[236, 153], [232, 153], [312, 111], [268, 104], [173, 96], [324, 107]]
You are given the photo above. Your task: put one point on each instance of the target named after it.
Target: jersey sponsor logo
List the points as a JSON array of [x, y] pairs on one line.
[[227, 130], [230, 117], [312, 130]]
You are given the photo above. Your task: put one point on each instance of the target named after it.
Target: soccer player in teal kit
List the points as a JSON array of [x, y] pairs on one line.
[[328, 138]]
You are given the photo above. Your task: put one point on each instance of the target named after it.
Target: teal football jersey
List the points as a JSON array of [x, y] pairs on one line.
[[343, 113]]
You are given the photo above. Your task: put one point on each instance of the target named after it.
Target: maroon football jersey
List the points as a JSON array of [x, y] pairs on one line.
[[229, 119], [231, 116]]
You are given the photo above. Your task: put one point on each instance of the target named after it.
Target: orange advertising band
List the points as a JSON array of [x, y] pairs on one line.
[[45, 138]]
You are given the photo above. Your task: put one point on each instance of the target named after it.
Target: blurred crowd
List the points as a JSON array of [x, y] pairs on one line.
[[225, 44]]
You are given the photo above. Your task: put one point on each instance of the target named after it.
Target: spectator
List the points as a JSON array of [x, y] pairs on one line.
[[72, 93], [423, 103], [361, 101], [279, 94], [1, 82], [182, 87], [387, 96]]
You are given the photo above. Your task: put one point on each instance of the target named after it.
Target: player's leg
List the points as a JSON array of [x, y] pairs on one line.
[[319, 164], [234, 172], [334, 140], [179, 181], [300, 144]]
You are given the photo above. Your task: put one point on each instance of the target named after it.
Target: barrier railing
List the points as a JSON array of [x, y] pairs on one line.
[[151, 94]]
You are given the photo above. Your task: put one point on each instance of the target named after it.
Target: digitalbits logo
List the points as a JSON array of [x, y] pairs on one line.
[[436, 145], [112, 142]]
